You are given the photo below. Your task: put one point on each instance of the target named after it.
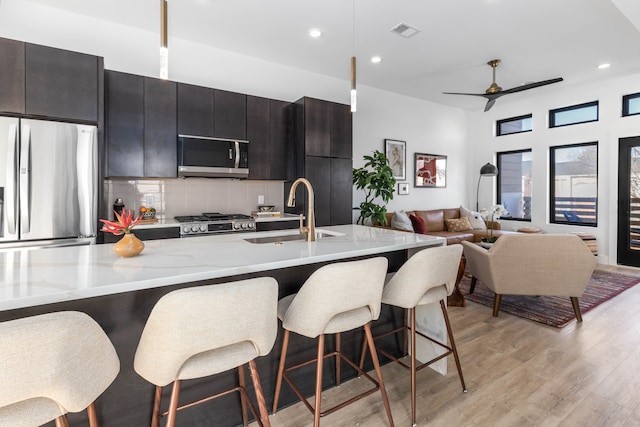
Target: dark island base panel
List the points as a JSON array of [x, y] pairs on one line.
[[127, 402]]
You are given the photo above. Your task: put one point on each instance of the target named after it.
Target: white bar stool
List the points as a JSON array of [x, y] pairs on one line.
[[204, 330], [427, 277], [52, 364], [336, 298]]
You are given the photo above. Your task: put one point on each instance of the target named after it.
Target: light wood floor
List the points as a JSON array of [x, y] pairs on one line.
[[518, 372]]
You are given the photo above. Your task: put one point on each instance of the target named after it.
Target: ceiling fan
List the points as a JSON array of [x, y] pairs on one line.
[[494, 91]]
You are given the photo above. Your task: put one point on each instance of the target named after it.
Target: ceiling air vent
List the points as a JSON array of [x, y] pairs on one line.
[[405, 30]]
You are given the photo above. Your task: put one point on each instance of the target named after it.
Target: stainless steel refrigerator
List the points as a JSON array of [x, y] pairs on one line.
[[48, 183]]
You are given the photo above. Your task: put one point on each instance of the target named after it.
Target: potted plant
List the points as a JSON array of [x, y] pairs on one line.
[[376, 179], [129, 245], [489, 215]]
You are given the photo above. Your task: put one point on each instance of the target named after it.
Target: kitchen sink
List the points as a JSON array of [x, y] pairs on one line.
[[290, 237]]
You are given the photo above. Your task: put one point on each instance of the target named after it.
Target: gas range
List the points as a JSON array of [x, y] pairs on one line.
[[215, 223]]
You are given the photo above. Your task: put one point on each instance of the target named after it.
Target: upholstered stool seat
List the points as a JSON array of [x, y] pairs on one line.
[[201, 331], [53, 364], [427, 277], [336, 298]]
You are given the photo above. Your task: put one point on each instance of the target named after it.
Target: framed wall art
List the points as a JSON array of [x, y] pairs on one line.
[[431, 170], [403, 188], [396, 152]]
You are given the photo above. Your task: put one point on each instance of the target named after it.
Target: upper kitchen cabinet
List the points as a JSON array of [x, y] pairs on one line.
[[323, 128], [195, 110], [12, 70], [230, 115], [61, 84], [268, 121], [47, 82], [160, 128], [141, 126]]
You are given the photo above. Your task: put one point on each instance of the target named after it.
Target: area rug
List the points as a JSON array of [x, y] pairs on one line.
[[554, 311]]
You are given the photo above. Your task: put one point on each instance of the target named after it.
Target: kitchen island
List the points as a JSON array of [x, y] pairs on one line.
[[120, 293]]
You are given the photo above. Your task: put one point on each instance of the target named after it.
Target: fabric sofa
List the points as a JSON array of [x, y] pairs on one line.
[[435, 222]]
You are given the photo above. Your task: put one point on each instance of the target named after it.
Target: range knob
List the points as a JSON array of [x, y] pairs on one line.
[[244, 225], [252, 225], [203, 228], [194, 228], [236, 226], [186, 228]]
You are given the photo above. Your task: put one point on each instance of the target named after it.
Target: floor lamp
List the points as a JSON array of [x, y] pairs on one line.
[[486, 170]]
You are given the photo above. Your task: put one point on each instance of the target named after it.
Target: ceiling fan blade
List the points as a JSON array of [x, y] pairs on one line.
[[532, 85], [461, 93], [489, 104]]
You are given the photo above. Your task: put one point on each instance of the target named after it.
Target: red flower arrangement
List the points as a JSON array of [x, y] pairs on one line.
[[124, 224]]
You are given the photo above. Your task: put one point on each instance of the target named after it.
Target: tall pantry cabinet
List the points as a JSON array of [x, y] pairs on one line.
[[322, 140]]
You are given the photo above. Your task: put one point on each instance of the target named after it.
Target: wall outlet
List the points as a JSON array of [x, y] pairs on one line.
[[261, 199], [150, 200]]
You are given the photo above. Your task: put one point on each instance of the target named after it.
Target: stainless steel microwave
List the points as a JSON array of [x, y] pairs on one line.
[[212, 157]]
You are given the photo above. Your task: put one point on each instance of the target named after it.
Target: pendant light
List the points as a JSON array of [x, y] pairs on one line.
[[353, 63], [164, 41]]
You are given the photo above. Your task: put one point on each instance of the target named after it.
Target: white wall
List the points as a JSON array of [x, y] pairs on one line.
[[611, 126], [425, 126]]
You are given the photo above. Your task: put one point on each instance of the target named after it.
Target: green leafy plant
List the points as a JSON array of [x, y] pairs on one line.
[[377, 181]]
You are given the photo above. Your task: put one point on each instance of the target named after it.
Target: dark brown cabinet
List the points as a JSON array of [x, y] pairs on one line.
[[141, 126], [268, 121], [322, 138], [60, 83], [47, 82], [203, 111], [12, 70], [230, 115], [195, 110], [160, 128]]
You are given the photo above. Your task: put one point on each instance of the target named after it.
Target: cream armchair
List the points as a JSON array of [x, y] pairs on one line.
[[539, 264]]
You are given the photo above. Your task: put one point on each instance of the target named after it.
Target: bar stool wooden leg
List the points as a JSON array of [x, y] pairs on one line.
[[157, 400], [338, 350], [452, 343], [412, 313], [173, 404], [262, 404], [243, 399], [376, 364], [318, 399], [92, 414], [283, 357], [404, 333], [62, 421]]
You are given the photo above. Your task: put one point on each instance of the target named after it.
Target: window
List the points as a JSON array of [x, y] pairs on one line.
[[514, 183], [574, 184], [574, 114], [513, 125], [631, 104]]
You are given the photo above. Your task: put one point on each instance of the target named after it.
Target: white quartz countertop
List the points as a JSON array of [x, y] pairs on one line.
[[41, 276]]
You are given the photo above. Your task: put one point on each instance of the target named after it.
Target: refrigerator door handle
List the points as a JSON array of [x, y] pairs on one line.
[[10, 188], [25, 174], [237, 154], [86, 165]]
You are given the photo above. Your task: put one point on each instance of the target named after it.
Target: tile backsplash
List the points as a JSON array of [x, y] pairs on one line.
[[192, 196]]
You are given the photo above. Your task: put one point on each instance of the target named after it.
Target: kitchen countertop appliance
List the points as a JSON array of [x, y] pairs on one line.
[[48, 183], [215, 223]]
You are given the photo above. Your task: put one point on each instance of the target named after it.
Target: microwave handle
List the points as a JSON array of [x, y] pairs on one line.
[[237, 154]]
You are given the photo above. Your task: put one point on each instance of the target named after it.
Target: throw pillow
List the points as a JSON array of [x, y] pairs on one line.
[[458, 224], [402, 221], [418, 224], [475, 219]]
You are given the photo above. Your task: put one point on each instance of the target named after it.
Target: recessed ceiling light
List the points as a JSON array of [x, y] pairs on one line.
[[603, 66], [315, 33], [376, 59]]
